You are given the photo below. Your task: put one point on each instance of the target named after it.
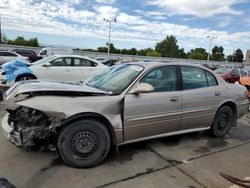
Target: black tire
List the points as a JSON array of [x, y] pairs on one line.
[[25, 77], [84, 143], [222, 122]]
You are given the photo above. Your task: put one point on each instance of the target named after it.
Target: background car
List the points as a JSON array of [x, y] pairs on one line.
[[6, 56], [245, 79], [230, 75], [110, 62], [32, 56], [61, 68], [123, 104]]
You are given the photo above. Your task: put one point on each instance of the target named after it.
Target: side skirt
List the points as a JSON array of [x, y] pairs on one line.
[[164, 135]]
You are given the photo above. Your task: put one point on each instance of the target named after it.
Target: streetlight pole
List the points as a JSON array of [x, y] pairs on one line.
[[210, 41], [109, 21]]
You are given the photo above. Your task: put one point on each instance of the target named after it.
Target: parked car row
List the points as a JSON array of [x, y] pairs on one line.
[[126, 103], [233, 75]]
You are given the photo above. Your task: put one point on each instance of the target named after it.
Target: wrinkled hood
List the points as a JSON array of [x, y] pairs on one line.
[[10, 63], [36, 86]]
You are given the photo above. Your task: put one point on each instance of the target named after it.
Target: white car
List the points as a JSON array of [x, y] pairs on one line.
[[61, 68], [6, 56]]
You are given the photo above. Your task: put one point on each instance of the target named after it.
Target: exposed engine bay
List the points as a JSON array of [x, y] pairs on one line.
[[34, 127]]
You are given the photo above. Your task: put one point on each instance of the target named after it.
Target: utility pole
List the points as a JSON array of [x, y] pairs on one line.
[[210, 41], [109, 21]]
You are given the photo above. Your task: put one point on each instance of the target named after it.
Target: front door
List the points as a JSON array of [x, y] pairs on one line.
[[60, 70], [157, 112]]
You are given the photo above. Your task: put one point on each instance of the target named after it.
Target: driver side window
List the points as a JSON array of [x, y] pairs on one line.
[[162, 79]]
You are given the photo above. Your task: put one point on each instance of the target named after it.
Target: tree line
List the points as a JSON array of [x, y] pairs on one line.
[[21, 41], [168, 47]]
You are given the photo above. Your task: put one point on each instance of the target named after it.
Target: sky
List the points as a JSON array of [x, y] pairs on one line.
[[140, 23]]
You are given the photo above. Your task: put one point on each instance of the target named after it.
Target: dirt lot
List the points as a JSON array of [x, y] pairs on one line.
[[191, 160]]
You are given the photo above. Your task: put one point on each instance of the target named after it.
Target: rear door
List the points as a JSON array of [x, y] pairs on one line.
[[60, 70], [201, 96], [157, 112], [84, 68]]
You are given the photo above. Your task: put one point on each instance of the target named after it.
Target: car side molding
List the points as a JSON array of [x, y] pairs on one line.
[[164, 135]]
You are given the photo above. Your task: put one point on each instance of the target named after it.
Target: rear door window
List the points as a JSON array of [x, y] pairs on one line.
[[212, 81], [83, 62], [193, 78]]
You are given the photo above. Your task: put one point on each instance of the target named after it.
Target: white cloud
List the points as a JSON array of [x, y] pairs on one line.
[[107, 11], [200, 8], [224, 21], [128, 19], [106, 1], [62, 19]]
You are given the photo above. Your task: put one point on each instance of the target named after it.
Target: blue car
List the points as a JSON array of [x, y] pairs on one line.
[[11, 70]]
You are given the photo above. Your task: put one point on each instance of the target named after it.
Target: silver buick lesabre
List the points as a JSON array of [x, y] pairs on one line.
[[124, 104]]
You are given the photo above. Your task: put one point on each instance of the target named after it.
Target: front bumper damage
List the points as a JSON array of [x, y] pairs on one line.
[[27, 128], [11, 135]]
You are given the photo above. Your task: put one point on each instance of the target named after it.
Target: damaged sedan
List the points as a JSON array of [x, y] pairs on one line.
[[124, 104]]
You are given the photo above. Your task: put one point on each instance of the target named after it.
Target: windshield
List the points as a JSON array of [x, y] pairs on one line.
[[222, 70], [41, 61], [115, 79]]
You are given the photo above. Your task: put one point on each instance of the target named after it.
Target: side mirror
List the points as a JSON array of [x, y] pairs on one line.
[[47, 65], [143, 88]]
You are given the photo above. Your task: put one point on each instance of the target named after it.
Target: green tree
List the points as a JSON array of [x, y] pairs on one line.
[[238, 56], [102, 49], [132, 51], [218, 54], [153, 53], [124, 51], [197, 53], [33, 42], [22, 41], [230, 58], [182, 54], [168, 47]]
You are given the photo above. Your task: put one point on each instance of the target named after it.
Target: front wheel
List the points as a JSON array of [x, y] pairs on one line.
[[222, 122], [25, 77], [84, 143]]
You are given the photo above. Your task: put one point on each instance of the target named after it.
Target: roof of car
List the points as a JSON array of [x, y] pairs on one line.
[[154, 63]]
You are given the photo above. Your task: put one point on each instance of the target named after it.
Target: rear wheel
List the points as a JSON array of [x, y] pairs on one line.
[[222, 122], [84, 143]]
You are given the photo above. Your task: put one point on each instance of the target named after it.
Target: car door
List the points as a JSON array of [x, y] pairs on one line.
[[201, 96], [83, 68], [157, 112], [60, 70]]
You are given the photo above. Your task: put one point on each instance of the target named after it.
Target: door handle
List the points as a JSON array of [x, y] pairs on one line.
[[217, 93], [67, 70], [174, 99]]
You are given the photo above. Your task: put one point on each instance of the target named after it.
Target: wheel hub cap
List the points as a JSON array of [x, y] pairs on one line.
[[84, 143]]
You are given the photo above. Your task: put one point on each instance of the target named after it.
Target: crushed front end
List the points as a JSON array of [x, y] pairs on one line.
[[26, 127]]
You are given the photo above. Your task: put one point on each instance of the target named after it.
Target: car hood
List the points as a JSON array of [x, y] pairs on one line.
[[40, 87], [10, 63]]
